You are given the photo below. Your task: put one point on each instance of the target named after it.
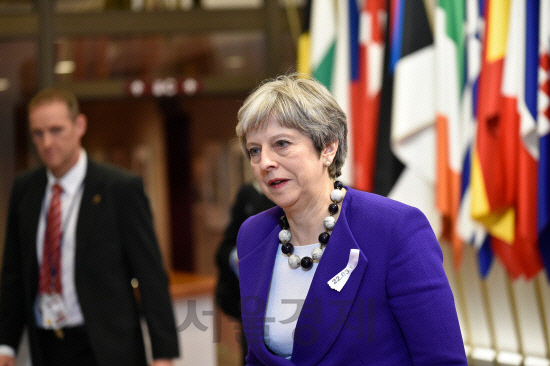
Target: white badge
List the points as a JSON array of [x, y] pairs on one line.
[[337, 282], [54, 313]]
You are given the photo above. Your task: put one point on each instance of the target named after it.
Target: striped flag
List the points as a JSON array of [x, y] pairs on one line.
[[543, 129], [450, 81], [388, 166], [526, 225], [413, 122], [347, 33], [304, 44], [470, 230], [323, 40], [367, 93], [520, 255], [492, 157], [334, 26]]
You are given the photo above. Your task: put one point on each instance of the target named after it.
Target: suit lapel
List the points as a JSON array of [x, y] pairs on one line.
[[325, 310]]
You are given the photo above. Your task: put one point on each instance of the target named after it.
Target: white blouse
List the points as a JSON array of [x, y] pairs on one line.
[[288, 290]]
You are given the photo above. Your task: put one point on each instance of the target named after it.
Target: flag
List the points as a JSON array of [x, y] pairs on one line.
[[333, 29], [413, 111], [388, 167], [322, 40], [526, 241], [367, 90], [517, 124], [493, 156], [450, 81], [304, 44], [345, 61], [543, 129], [470, 230]]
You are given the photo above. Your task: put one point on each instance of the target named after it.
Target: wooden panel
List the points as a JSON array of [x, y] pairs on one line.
[[121, 22], [115, 88], [184, 285], [18, 25]]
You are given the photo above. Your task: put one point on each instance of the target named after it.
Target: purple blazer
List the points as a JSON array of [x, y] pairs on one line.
[[396, 309]]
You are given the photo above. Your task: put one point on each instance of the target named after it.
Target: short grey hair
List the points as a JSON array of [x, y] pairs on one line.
[[299, 102]]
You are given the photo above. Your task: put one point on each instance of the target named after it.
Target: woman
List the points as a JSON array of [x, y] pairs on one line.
[[333, 276]]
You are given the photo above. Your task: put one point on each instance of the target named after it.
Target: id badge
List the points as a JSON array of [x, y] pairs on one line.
[[54, 313]]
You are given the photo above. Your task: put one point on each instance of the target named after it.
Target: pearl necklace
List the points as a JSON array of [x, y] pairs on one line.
[[294, 261]]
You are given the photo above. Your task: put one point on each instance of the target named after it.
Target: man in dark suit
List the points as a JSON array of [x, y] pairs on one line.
[[250, 201], [78, 234]]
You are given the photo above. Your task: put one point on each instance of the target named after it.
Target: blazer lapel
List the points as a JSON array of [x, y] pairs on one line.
[[325, 310]]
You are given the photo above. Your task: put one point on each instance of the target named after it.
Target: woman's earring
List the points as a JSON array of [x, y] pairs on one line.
[[327, 163]]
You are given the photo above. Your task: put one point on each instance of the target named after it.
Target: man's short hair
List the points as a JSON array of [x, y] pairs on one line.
[[49, 95]]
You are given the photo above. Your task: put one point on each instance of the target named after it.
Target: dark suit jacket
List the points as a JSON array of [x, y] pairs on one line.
[[396, 309], [115, 242], [248, 202]]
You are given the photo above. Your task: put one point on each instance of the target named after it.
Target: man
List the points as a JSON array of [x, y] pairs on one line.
[[78, 232], [250, 201]]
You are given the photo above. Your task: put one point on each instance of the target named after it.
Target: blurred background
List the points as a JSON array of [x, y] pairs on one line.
[[161, 82]]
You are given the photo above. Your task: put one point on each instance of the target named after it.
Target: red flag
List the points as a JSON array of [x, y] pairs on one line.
[[494, 155], [366, 92], [520, 257]]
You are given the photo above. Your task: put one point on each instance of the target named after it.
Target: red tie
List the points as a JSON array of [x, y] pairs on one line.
[[50, 269]]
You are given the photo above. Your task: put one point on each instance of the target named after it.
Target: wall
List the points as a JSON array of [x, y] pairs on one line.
[[130, 133]]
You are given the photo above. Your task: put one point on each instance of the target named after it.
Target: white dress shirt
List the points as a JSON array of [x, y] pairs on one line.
[[73, 185]]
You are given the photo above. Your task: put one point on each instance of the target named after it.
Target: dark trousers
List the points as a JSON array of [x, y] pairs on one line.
[[73, 348], [244, 347]]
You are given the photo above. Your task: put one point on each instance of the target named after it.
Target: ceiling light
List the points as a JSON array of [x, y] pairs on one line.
[[65, 67], [234, 62], [4, 84]]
